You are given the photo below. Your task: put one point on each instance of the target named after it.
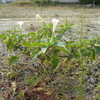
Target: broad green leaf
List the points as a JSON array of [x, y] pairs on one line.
[[35, 55], [13, 60], [5, 40], [60, 44], [55, 59], [10, 46], [97, 49], [2, 36], [97, 45], [86, 52]]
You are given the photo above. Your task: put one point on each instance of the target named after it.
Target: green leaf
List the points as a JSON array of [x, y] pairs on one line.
[[92, 55], [2, 36], [60, 44], [34, 44], [97, 45], [97, 49], [5, 40], [13, 60], [35, 55], [55, 59], [10, 46]]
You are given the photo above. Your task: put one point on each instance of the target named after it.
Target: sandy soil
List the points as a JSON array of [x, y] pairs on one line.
[[11, 13]]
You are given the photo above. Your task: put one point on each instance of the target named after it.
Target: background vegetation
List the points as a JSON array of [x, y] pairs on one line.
[[89, 1]]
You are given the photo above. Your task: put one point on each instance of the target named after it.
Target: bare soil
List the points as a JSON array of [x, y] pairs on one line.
[[11, 13]]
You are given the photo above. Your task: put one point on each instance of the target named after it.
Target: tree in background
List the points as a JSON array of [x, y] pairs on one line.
[[90, 2]]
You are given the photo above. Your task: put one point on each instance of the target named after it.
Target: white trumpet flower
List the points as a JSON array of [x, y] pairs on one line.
[[20, 23], [37, 15], [55, 22]]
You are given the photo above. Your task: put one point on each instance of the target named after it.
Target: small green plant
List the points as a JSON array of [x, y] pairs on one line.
[[33, 81]]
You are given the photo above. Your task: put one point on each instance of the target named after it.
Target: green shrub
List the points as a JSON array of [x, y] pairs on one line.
[[62, 62], [89, 1]]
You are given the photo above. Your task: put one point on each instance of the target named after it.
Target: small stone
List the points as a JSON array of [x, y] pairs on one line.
[[96, 81], [88, 29], [92, 80], [87, 90], [95, 69]]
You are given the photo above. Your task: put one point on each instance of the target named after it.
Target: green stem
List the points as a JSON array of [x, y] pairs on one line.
[[52, 37], [81, 63]]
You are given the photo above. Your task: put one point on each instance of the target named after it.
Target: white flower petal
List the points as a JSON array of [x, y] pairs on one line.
[[20, 23], [37, 15], [55, 22]]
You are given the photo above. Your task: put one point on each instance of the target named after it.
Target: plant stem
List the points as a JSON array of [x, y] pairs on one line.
[[81, 59]]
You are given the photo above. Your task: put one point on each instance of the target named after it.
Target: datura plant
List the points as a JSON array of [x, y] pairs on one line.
[[49, 46], [49, 41]]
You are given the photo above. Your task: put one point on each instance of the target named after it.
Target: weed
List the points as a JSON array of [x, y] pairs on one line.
[[58, 62]]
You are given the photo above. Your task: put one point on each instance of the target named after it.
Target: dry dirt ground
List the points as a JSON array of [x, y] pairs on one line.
[[11, 13]]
